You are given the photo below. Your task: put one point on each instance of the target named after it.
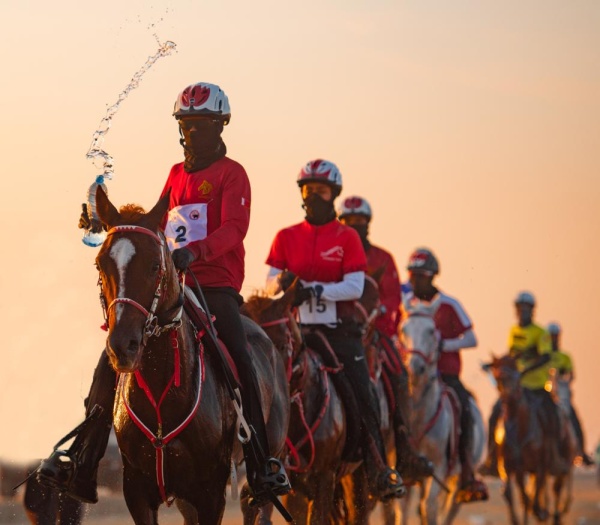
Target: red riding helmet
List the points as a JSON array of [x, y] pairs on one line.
[[203, 99], [422, 260], [321, 171], [355, 206]]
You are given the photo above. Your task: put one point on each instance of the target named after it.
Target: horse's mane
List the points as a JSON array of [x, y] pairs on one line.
[[258, 302], [132, 212], [506, 361]]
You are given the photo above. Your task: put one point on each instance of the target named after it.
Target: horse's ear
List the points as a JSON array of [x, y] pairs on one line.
[[288, 296], [156, 214], [107, 213]]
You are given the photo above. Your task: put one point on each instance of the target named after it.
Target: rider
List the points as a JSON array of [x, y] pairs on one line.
[[563, 364], [330, 262], [456, 332], [356, 212], [209, 213], [530, 345]]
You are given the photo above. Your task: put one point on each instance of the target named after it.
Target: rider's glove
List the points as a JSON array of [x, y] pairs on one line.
[[88, 224], [182, 258], [303, 293], [286, 279], [318, 291]]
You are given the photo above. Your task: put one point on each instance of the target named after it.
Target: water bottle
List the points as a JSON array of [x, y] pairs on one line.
[[90, 238]]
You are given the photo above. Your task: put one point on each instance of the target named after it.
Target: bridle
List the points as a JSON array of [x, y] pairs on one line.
[[151, 326], [430, 360]]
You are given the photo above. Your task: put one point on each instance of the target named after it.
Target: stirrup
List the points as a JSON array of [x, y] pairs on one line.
[[271, 479], [390, 485], [57, 470]]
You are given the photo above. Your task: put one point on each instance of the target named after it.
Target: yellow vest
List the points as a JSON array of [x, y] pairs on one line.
[[526, 344], [562, 362]]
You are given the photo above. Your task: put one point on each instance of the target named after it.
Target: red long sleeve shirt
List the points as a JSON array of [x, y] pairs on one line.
[[390, 292], [209, 214]]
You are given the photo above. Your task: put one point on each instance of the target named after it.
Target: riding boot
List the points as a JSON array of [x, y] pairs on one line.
[[585, 459], [412, 466], [384, 482], [470, 488], [75, 470], [490, 465], [264, 473]]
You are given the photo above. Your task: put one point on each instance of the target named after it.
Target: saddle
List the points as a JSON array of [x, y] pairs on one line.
[[201, 322]]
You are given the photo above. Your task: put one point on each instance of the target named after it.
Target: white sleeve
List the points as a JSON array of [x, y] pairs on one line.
[[466, 340], [273, 286], [349, 289]]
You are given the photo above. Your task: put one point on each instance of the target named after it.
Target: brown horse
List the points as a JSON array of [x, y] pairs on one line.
[[524, 450], [317, 431], [174, 419]]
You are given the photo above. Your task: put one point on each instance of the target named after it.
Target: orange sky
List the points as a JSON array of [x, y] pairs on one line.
[[471, 128]]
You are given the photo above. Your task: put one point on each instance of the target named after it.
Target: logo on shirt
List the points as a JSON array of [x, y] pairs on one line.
[[205, 188], [194, 215], [335, 254]]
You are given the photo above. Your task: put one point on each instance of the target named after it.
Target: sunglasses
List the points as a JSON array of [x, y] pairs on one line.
[[197, 122]]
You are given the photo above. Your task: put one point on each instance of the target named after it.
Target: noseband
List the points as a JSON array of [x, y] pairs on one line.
[[151, 326]]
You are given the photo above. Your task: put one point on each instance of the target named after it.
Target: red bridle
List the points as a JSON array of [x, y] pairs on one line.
[[151, 326]]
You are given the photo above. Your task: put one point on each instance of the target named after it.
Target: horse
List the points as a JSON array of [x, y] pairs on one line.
[[173, 416], [317, 431], [434, 417], [524, 450]]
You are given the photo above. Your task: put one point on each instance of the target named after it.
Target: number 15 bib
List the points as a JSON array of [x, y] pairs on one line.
[[186, 224]]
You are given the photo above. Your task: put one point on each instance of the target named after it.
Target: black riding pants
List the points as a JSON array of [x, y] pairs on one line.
[[224, 304], [351, 354]]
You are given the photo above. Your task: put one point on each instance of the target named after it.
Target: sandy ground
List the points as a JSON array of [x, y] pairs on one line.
[[111, 509]]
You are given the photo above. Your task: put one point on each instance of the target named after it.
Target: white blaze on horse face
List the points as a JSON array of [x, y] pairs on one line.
[[122, 252]]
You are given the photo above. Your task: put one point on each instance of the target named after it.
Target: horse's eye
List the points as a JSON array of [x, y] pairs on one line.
[[155, 267]]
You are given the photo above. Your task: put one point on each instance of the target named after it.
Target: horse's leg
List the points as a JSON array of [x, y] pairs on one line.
[[71, 510], [323, 505], [403, 507], [249, 512], [451, 506], [527, 489], [428, 507], [507, 493], [298, 506], [141, 496], [390, 511], [539, 509]]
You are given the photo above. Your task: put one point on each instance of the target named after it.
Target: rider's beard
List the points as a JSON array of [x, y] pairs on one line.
[[202, 148], [318, 210]]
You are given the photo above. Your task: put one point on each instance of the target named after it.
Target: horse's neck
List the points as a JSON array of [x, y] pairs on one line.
[[424, 408]]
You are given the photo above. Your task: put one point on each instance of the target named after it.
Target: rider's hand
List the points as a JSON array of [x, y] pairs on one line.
[[318, 290], [286, 279], [303, 293], [182, 258], [88, 224]]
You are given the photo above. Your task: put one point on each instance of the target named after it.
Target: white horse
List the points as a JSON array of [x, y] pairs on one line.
[[434, 423]]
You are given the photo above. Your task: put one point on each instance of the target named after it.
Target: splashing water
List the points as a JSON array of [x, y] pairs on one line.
[[96, 153]]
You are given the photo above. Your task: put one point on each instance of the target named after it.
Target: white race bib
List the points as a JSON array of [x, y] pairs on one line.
[[186, 224], [320, 311]]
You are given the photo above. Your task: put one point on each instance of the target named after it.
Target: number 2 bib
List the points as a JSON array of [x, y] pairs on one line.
[[186, 224]]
